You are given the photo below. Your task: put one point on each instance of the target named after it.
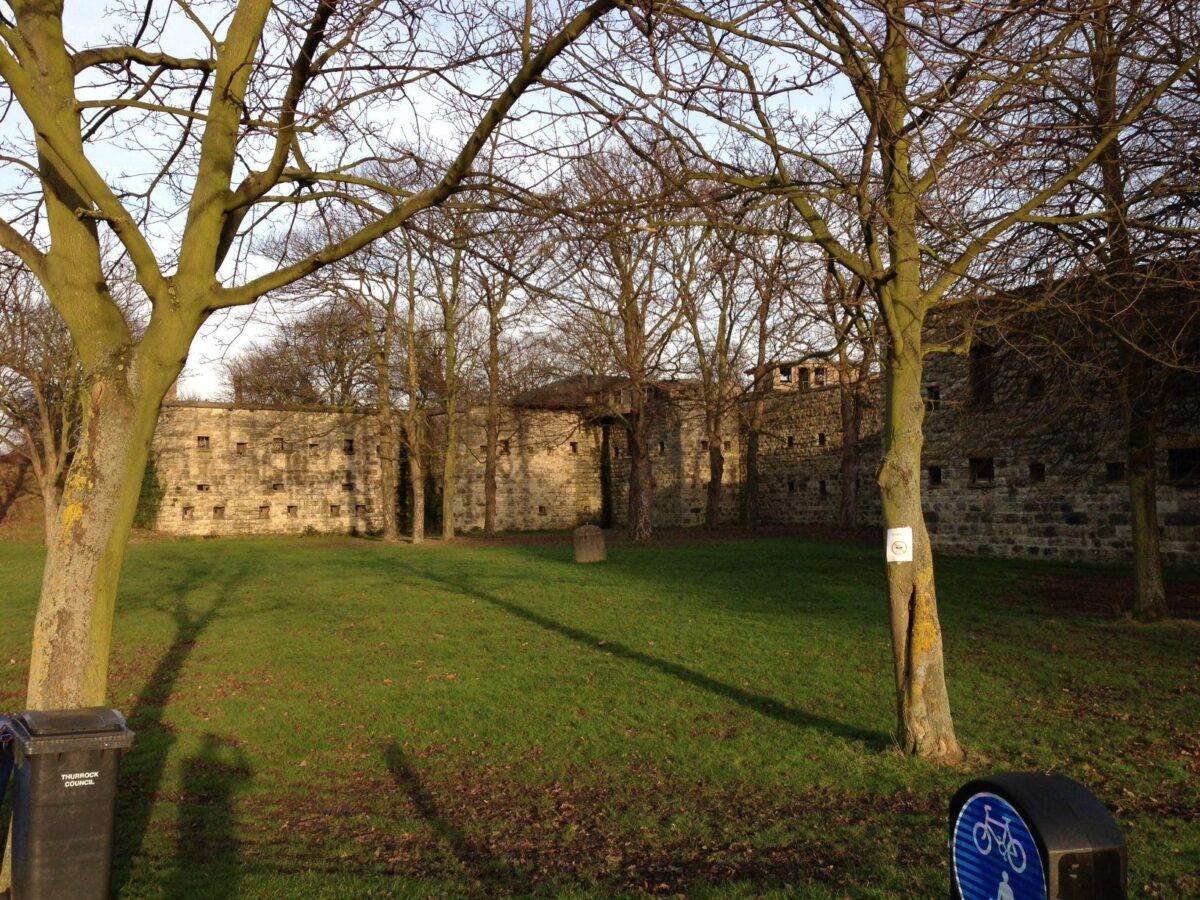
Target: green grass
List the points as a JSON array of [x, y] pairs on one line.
[[334, 718]]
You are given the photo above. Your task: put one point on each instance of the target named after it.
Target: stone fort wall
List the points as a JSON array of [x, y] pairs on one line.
[[1024, 474]]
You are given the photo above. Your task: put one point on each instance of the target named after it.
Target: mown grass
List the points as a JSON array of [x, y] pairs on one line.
[[336, 718]]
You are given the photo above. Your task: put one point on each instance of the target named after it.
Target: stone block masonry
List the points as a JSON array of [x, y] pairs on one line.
[[1033, 469], [222, 469]]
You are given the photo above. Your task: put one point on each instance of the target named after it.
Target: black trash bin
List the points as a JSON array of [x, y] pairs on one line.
[[64, 792]]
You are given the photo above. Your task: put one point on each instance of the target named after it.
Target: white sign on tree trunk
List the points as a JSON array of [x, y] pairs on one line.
[[899, 545]]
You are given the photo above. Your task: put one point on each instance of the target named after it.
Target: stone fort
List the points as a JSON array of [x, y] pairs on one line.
[[1029, 470]]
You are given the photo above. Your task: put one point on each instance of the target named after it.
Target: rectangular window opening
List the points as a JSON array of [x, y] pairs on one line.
[[218, 513], [293, 512], [334, 509], [791, 440], [203, 488], [264, 512], [1183, 465], [933, 397], [823, 488], [189, 512], [982, 469], [360, 510], [202, 442], [277, 486], [1114, 472], [785, 374], [541, 510], [242, 448], [503, 447], [935, 475], [1037, 472], [277, 445], [704, 445], [574, 446], [821, 439]]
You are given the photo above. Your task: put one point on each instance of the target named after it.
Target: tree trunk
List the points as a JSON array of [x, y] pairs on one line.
[[72, 631], [716, 476], [850, 396], [640, 490], [924, 725], [493, 423], [449, 474], [388, 463], [751, 506], [51, 500], [416, 474], [1139, 409]]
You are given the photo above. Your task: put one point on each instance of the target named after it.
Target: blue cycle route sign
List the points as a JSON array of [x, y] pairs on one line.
[[994, 855]]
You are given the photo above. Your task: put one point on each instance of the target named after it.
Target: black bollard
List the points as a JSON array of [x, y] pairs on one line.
[[1029, 836]]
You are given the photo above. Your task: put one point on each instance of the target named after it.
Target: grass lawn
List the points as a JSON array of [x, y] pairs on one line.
[[338, 718]]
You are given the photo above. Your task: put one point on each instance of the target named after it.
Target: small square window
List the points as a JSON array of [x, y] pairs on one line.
[[348, 486], [1114, 472], [218, 513], [314, 449], [728, 445], [293, 512], [982, 469], [574, 446], [360, 510], [935, 475], [704, 445], [334, 509], [791, 440], [203, 488], [277, 445], [820, 439], [277, 486], [202, 442], [241, 448], [1183, 465], [819, 376], [264, 512], [541, 510], [785, 374], [1037, 472], [189, 512], [503, 448], [348, 445]]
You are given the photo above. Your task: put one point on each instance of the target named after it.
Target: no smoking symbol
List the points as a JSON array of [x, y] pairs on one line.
[[899, 548]]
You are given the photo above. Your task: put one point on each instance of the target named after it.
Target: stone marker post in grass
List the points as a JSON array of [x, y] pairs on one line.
[[589, 544]]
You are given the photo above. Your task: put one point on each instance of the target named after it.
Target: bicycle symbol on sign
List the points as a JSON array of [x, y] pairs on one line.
[[992, 831]]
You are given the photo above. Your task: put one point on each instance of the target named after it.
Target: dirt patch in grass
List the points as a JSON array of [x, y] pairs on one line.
[[641, 835], [1107, 596]]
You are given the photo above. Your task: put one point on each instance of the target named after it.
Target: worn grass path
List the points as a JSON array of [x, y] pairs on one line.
[[339, 718]]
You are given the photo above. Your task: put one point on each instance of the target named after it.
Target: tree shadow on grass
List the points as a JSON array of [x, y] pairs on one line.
[[763, 705], [476, 860], [146, 761], [207, 856]]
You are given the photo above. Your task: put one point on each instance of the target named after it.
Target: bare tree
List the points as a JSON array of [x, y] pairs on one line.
[[233, 137], [622, 296], [39, 387], [932, 152]]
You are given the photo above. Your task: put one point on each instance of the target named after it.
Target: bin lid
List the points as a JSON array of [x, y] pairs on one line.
[[61, 722]]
